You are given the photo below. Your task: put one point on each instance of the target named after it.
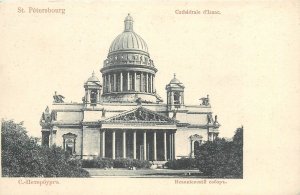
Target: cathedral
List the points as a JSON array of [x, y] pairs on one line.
[[122, 116]]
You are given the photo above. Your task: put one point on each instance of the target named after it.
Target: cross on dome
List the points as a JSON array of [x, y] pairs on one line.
[[128, 23], [93, 78]]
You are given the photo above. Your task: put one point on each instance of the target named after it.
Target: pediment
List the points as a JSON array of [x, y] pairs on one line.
[[140, 114], [196, 137], [69, 135]]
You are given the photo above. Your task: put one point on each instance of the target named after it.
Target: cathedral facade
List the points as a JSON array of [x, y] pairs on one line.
[[122, 116]]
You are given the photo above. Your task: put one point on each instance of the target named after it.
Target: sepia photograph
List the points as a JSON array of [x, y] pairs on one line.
[[180, 95]]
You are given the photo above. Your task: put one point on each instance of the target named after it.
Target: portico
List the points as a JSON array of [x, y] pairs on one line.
[[142, 144], [138, 134]]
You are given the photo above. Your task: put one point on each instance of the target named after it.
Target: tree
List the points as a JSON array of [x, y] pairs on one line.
[[237, 153], [222, 158], [23, 158]]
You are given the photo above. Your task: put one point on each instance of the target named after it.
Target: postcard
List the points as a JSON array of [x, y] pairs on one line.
[[140, 97]]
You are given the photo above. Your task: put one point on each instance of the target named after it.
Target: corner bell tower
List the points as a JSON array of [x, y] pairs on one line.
[[175, 94], [92, 91]]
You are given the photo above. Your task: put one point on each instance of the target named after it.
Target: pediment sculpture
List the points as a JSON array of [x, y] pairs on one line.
[[140, 115]]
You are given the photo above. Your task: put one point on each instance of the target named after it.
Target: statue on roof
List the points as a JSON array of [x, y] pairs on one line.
[[58, 98], [46, 118], [216, 123], [174, 113], [139, 101], [205, 101]]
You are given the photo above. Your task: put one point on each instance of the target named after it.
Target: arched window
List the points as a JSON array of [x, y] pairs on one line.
[[93, 97], [195, 143], [177, 99], [118, 83], [69, 143]]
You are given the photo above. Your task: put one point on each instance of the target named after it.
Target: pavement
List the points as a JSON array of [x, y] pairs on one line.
[[144, 173]]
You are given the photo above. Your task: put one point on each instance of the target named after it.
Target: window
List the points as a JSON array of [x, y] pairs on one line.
[[125, 82], [144, 79], [177, 97], [149, 84], [118, 87], [197, 145], [93, 97], [106, 83], [111, 83], [69, 143]]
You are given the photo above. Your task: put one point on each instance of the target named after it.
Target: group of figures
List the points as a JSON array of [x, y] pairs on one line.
[[140, 115], [58, 98], [205, 101]]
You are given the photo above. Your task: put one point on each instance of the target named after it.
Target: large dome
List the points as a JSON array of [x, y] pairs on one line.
[[128, 40], [128, 71]]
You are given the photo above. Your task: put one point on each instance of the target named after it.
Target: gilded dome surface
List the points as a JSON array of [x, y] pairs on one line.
[[128, 40], [93, 78], [174, 80]]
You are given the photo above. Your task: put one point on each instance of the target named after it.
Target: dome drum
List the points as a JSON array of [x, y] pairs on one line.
[[128, 72], [128, 81]]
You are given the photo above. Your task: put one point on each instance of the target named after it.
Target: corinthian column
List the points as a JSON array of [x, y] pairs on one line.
[[109, 83], [151, 84], [88, 96], [134, 145], [145, 145], [174, 151], [134, 86], [113, 144], [104, 83], [124, 144], [147, 87], [171, 145], [103, 144], [154, 146], [165, 145], [121, 81], [128, 86], [141, 82], [115, 82]]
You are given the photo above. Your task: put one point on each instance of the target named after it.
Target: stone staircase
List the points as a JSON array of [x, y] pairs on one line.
[[158, 164]]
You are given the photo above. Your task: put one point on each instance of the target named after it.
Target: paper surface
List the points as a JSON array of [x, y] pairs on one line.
[[244, 54]]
